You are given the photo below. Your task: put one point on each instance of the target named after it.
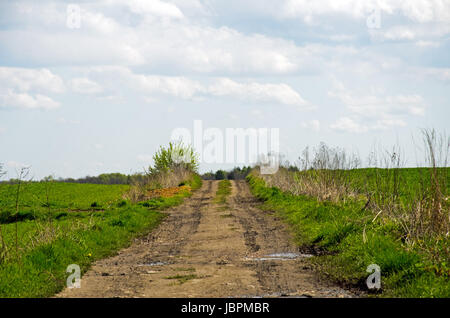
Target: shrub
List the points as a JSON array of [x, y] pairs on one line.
[[175, 157], [220, 175]]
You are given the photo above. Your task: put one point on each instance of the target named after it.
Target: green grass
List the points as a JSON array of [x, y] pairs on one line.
[[223, 191], [185, 269], [411, 181], [351, 241], [182, 278], [62, 197], [55, 238]]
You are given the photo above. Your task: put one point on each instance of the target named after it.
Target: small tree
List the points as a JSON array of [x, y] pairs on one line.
[[175, 156], [220, 175]]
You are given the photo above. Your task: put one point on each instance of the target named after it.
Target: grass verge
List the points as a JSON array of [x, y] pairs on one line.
[[351, 239]]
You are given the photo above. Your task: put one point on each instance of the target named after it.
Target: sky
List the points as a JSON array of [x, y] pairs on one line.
[[89, 87]]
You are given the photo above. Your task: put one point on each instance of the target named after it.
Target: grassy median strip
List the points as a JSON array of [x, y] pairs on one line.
[[223, 191], [73, 230], [182, 278], [352, 238]]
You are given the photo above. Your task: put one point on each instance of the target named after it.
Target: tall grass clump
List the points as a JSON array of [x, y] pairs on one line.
[[173, 165], [437, 151], [321, 173], [417, 199], [384, 214]]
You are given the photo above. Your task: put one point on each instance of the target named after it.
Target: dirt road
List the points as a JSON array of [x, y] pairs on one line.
[[206, 249]]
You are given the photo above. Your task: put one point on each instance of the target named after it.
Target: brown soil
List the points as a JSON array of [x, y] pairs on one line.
[[205, 249]]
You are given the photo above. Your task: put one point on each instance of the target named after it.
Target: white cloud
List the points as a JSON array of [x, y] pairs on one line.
[[400, 20], [383, 124], [159, 38], [375, 111], [28, 88], [111, 98], [25, 79], [400, 33], [64, 121], [155, 7], [353, 124], [312, 124], [420, 11], [347, 124], [278, 93], [442, 74], [181, 87], [85, 86], [428, 44], [159, 45], [421, 34], [11, 99], [189, 89], [99, 23], [374, 105]]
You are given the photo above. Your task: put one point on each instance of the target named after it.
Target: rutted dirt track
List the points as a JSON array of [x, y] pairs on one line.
[[205, 249]]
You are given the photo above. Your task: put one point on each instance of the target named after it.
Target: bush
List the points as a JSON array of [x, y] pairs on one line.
[[175, 156], [220, 175]]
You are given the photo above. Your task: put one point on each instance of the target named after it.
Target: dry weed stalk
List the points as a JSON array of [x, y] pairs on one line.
[[422, 212], [173, 178]]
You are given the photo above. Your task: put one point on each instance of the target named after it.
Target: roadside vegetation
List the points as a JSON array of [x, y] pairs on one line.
[[46, 226], [397, 218], [173, 165]]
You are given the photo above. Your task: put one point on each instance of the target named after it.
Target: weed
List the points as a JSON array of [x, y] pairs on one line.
[[223, 191], [182, 278]]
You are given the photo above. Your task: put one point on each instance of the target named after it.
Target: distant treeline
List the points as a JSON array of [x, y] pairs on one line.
[[105, 178], [235, 174], [119, 178]]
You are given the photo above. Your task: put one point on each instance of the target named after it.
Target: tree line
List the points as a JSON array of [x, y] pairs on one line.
[[104, 178], [235, 174]]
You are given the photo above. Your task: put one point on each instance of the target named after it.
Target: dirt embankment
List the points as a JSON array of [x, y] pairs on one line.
[[205, 249]]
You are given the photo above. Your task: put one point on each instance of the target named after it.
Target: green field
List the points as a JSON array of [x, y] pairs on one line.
[[411, 181], [59, 224], [349, 237], [42, 199]]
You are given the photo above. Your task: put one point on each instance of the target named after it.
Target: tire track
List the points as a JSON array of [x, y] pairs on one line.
[[264, 235], [123, 275]]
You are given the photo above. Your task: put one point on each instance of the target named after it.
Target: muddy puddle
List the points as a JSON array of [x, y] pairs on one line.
[[279, 257], [154, 264]]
